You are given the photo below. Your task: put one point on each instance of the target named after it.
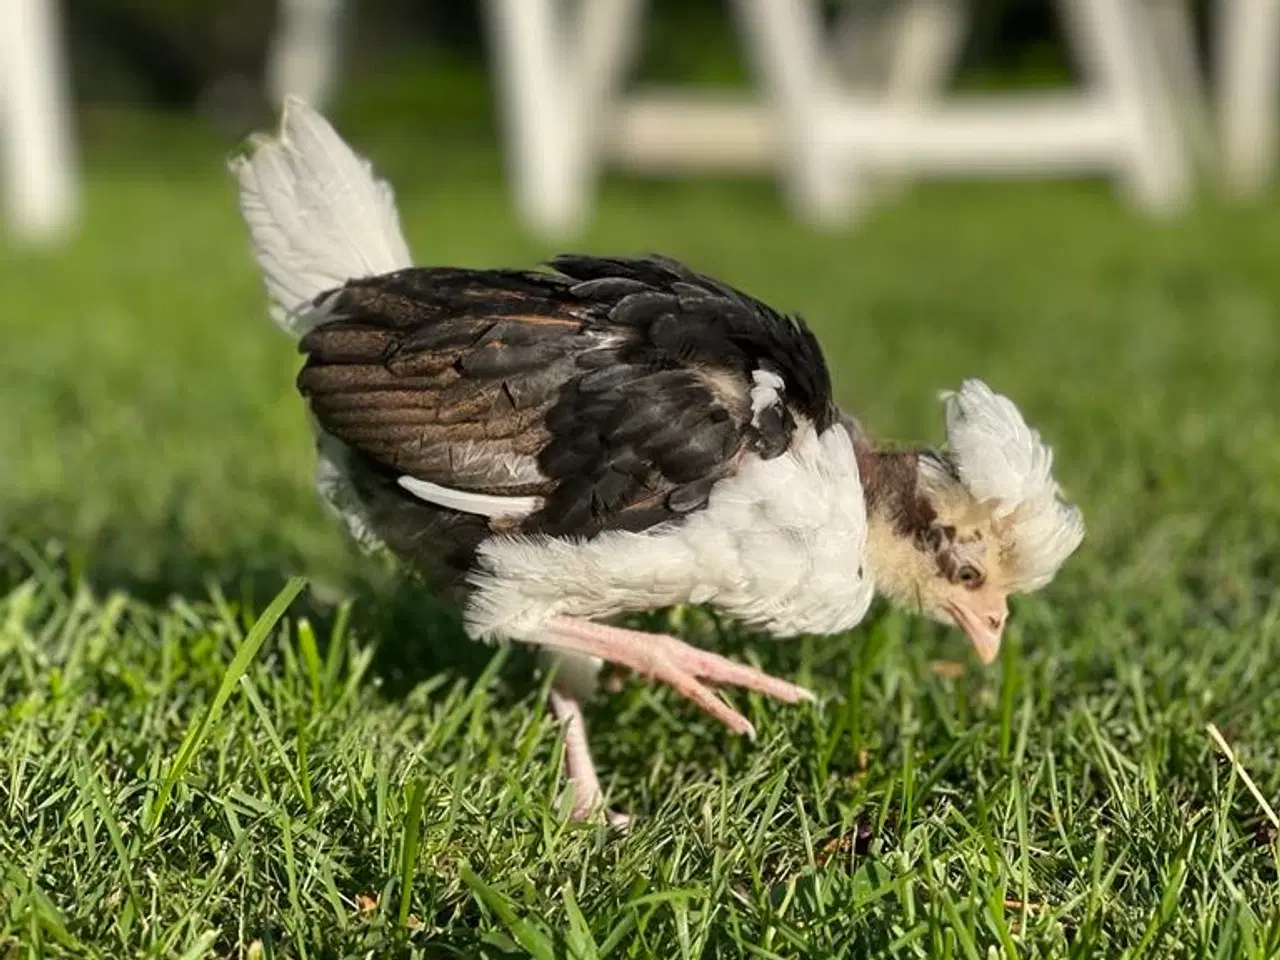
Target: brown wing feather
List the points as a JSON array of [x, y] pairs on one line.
[[619, 391], [451, 389]]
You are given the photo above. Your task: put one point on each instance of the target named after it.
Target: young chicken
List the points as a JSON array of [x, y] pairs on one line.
[[556, 448]]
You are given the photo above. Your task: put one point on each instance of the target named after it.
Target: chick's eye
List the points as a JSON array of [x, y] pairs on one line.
[[970, 576]]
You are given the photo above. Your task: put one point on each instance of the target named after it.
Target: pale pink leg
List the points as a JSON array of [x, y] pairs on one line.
[[588, 800], [674, 663]]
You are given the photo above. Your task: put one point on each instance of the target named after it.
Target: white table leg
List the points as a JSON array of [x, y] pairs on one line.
[[35, 123]]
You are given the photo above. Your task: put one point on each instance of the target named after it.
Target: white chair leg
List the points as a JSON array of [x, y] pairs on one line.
[[543, 168], [1248, 62], [929, 36], [863, 38], [35, 123], [786, 42], [606, 46], [303, 60], [556, 82], [1115, 38], [1173, 33], [923, 57]]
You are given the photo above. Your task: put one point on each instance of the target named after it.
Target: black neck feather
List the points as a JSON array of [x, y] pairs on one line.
[[890, 480]]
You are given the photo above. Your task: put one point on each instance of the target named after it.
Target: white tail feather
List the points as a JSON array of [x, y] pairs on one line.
[[317, 215], [483, 504]]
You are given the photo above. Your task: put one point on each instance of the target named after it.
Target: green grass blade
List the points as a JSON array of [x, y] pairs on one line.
[[273, 735], [201, 947], [192, 742], [525, 933], [409, 847], [90, 786], [580, 943]]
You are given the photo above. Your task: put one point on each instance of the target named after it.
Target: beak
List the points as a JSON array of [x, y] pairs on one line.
[[983, 619]]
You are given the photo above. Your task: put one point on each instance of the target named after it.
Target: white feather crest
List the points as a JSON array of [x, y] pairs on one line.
[[317, 215], [1002, 460]]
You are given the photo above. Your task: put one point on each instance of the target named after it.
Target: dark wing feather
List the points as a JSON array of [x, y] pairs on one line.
[[714, 321], [617, 390]]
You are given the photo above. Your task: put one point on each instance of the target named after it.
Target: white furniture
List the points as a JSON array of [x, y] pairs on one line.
[[304, 52], [1248, 69], [829, 120], [560, 72], [1173, 31], [558, 77], [39, 175]]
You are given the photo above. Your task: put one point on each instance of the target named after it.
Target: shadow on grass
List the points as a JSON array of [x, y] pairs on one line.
[[415, 635]]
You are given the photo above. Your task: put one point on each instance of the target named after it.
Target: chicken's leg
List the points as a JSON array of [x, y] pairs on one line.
[[579, 767], [672, 662]]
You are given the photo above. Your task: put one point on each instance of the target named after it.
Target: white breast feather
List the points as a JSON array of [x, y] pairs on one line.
[[1001, 459], [780, 546], [766, 391]]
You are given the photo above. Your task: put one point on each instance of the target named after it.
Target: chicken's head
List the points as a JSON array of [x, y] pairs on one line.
[[953, 534]]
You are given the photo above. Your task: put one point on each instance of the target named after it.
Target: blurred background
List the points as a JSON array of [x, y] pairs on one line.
[[1071, 200]]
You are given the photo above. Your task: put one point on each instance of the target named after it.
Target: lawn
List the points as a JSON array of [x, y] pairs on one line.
[[184, 775]]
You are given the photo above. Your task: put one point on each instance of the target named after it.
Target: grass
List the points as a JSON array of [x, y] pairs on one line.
[[201, 758]]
